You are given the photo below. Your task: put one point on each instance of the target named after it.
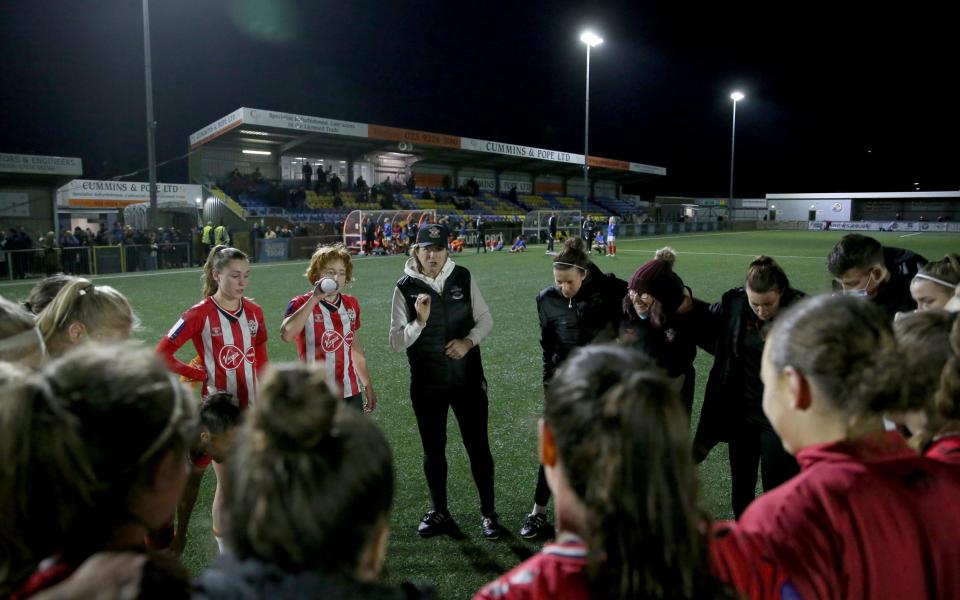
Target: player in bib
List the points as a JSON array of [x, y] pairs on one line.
[[230, 336], [325, 324]]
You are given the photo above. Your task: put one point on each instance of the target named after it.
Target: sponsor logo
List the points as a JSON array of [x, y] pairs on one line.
[[456, 292], [433, 232], [837, 207], [331, 341], [230, 357]]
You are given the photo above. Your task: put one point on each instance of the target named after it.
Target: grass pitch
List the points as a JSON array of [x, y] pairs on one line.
[[710, 263]]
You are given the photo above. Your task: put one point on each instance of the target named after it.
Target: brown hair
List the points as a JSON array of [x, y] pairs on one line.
[[218, 259], [765, 275], [622, 437], [45, 481], [15, 342], [930, 348], [845, 345], [131, 414], [572, 256], [323, 256], [97, 307], [45, 291], [310, 479], [854, 251]]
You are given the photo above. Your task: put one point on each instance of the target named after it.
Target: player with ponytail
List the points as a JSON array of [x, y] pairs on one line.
[[866, 516], [229, 335]]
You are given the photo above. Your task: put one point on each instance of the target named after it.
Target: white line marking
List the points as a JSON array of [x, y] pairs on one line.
[[681, 253], [909, 234]]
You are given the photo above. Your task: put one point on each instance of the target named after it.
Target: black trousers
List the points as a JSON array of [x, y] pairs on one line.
[[469, 403], [550, 237], [754, 444]]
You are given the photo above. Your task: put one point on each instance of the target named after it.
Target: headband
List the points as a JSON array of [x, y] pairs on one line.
[[935, 280], [566, 264], [175, 414], [25, 339]]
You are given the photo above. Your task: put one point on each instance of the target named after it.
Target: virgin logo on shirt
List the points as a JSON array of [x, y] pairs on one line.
[[231, 357], [331, 341]]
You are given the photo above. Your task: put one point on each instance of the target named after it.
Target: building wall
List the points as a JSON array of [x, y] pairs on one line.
[[37, 203]]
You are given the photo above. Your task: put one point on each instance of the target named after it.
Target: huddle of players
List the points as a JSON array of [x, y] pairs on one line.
[[626, 527]]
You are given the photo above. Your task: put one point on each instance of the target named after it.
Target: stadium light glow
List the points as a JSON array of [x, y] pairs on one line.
[[591, 39], [251, 132], [263, 152], [737, 96]]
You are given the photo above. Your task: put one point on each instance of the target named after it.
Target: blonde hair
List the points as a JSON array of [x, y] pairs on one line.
[[323, 256], [217, 260], [97, 307]]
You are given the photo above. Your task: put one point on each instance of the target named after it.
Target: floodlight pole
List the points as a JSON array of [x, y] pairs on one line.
[[151, 123], [736, 97], [586, 139]]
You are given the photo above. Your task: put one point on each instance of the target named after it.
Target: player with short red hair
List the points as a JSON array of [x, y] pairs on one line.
[[325, 324]]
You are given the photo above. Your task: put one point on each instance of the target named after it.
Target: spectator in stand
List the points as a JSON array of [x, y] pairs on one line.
[[587, 231], [270, 234], [935, 282], [335, 184], [307, 171], [312, 482], [613, 443], [83, 312], [512, 195], [256, 176], [101, 441], [860, 266], [70, 248], [866, 517]]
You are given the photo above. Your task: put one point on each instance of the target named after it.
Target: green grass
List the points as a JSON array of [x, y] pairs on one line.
[[710, 263]]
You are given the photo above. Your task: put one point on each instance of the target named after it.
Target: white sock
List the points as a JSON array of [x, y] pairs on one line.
[[538, 510], [219, 543]]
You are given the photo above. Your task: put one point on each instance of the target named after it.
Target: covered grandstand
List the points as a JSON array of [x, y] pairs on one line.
[[259, 159]]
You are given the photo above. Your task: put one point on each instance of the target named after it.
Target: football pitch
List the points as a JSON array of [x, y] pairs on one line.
[[710, 263]]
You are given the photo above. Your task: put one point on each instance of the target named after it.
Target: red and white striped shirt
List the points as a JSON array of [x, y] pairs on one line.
[[328, 335], [232, 347]]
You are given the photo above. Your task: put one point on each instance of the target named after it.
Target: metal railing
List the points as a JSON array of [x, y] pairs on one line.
[[94, 260]]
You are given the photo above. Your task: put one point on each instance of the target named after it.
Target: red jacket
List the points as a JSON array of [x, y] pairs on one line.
[[944, 448], [865, 519]]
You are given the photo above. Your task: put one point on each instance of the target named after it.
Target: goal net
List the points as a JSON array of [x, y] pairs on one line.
[[536, 224]]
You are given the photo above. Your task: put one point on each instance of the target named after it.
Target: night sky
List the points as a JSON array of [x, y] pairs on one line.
[[841, 96]]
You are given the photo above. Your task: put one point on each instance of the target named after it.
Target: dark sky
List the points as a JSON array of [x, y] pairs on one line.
[[826, 82]]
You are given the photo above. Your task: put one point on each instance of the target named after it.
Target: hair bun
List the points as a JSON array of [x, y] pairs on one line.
[[667, 255], [297, 410], [574, 243]]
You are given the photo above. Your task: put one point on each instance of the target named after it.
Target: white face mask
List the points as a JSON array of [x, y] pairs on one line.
[[860, 292]]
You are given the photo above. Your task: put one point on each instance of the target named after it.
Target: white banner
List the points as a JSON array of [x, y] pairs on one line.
[[47, 165], [906, 226], [485, 183], [217, 128], [14, 204], [270, 118], [519, 151], [89, 193], [753, 203]]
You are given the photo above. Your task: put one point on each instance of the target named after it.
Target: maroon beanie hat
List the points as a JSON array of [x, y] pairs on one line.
[[656, 277]]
